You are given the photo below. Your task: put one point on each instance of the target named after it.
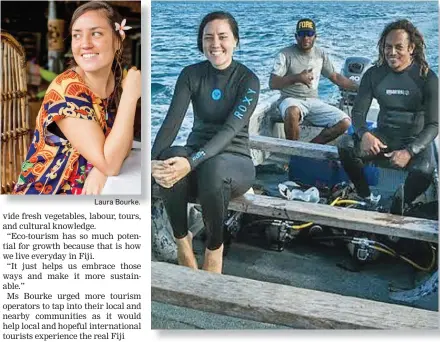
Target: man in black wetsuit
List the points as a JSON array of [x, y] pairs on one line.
[[407, 92]]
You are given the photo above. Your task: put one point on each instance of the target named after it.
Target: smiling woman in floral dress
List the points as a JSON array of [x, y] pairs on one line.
[[79, 140]]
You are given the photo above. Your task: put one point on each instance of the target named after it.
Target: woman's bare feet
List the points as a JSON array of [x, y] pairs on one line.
[[213, 260], [185, 254]]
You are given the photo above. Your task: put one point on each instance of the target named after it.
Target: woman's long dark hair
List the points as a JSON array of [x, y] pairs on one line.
[[112, 18], [414, 36]]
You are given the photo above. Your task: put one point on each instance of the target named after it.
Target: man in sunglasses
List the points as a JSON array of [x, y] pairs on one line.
[[296, 74]]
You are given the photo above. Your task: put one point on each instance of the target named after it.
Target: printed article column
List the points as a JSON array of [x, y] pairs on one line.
[[73, 269]]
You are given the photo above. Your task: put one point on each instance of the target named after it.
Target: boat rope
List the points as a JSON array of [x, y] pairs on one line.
[[337, 201], [380, 247]]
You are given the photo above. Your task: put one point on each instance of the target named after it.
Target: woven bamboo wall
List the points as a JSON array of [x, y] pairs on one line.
[[14, 124]]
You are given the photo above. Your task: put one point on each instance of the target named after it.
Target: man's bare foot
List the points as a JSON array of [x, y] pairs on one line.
[[185, 254], [213, 260]]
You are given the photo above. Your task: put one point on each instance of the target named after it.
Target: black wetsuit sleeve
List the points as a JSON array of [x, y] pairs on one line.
[[430, 128], [239, 117], [362, 104], [173, 120]]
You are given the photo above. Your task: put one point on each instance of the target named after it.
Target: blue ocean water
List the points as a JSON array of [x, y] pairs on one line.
[[344, 29]]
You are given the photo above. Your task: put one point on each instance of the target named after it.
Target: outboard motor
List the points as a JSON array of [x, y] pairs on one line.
[[354, 68]]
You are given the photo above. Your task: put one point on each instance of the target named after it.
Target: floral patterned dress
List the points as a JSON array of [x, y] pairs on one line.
[[52, 165]]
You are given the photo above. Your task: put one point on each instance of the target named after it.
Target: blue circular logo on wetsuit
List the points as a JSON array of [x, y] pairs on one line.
[[216, 94]]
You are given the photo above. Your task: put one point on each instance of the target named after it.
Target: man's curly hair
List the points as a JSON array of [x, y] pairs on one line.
[[414, 36]]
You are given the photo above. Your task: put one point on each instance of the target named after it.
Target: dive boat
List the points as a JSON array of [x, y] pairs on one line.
[[365, 234]]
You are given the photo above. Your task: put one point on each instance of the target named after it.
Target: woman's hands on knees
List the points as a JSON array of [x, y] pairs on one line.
[[94, 183], [180, 167], [168, 172], [161, 173]]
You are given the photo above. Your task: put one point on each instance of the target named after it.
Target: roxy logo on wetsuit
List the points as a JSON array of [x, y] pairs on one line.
[[242, 108], [404, 92], [216, 94], [198, 155]]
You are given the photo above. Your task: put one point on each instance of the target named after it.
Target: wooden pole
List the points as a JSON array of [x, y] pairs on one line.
[[14, 116], [280, 304]]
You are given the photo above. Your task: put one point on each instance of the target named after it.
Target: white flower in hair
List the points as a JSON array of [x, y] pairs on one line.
[[121, 27]]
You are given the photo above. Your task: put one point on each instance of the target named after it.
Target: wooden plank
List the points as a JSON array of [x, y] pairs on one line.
[[279, 304], [294, 148], [352, 219]]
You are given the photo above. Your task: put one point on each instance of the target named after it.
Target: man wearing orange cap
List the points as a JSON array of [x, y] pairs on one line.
[[296, 74]]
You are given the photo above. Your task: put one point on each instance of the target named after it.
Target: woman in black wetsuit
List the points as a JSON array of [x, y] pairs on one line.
[[215, 164]]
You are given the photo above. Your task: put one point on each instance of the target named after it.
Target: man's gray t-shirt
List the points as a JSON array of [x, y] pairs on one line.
[[292, 60]]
